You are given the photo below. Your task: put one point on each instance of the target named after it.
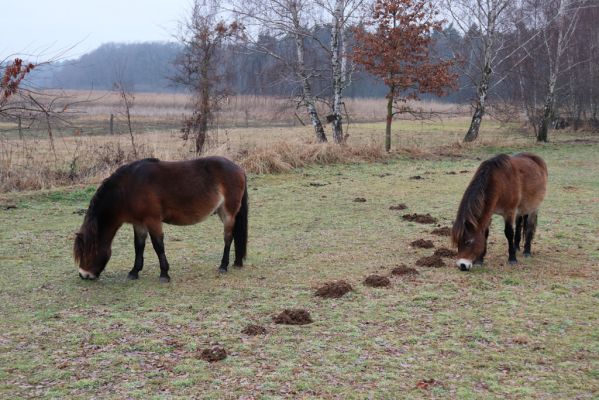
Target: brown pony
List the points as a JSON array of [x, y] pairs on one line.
[[147, 193], [513, 187]]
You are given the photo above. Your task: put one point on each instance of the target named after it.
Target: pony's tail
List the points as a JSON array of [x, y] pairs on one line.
[[240, 230]]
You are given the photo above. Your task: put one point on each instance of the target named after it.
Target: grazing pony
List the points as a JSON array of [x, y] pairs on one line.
[[513, 187], [148, 192]]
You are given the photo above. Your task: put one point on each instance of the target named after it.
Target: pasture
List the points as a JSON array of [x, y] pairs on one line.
[[499, 331]]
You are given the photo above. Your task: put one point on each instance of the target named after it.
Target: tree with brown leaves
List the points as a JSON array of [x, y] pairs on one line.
[[395, 45]]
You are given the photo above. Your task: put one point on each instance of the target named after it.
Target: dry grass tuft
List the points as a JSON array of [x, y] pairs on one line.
[[283, 156]]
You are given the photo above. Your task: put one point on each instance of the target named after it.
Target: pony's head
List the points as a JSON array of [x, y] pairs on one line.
[[468, 232], [470, 241], [91, 255]]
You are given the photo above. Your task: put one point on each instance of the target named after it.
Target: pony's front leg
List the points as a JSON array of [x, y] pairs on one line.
[[158, 243], [481, 259], [140, 234], [509, 234]]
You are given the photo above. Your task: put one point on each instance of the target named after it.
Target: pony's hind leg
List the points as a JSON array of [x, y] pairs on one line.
[[158, 243], [529, 233], [509, 234], [140, 234], [228, 224]]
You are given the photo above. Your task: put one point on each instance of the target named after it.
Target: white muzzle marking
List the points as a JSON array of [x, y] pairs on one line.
[[464, 264], [86, 274]]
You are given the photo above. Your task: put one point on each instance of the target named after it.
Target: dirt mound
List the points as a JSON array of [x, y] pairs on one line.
[[400, 206], [444, 231], [213, 354], [445, 252], [359, 200], [333, 290], [253, 330], [464, 171], [420, 218], [423, 244], [416, 177], [431, 261], [293, 317], [451, 173], [377, 281], [403, 270]]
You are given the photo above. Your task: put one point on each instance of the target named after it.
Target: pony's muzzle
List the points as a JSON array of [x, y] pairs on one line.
[[83, 274], [464, 264]]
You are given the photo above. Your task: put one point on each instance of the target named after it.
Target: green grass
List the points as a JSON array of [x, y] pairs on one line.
[[529, 331]]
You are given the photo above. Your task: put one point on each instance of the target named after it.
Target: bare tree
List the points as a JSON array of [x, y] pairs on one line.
[[482, 22], [557, 34], [341, 13], [201, 67], [284, 18], [127, 98], [21, 102]]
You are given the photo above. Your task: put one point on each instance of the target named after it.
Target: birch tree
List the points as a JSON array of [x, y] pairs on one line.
[[284, 18], [558, 33], [486, 17], [341, 13]]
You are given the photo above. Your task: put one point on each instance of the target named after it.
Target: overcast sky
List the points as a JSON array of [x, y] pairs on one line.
[[46, 28]]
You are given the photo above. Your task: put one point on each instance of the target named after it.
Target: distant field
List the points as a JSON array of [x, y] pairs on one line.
[[90, 112], [524, 332], [260, 128]]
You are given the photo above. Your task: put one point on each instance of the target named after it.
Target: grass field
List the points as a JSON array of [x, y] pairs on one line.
[[530, 331]]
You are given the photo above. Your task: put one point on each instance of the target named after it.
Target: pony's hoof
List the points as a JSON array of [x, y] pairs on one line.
[[165, 279], [132, 277], [222, 270], [528, 254], [513, 262], [238, 266]]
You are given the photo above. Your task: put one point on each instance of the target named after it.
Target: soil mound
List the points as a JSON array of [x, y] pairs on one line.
[[377, 281], [400, 206], [213, 354], [333, 290], [423, 244], [253, 330], [444, 231], [431, 261], [293, 317], [403, 270], [359, 200], [416, 177], [445, 252], [420, 218]]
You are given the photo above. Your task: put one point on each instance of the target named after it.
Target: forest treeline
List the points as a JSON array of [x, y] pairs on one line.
[[150, 67]]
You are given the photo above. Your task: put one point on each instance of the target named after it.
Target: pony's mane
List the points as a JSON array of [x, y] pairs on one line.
[[473, 202], [107, 195]]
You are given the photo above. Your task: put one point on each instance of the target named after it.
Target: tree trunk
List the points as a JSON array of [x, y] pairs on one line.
[[309, 100], [542, 135], [336, 65], [482, 89], [548, 112], [479, 110], [389, 119]]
